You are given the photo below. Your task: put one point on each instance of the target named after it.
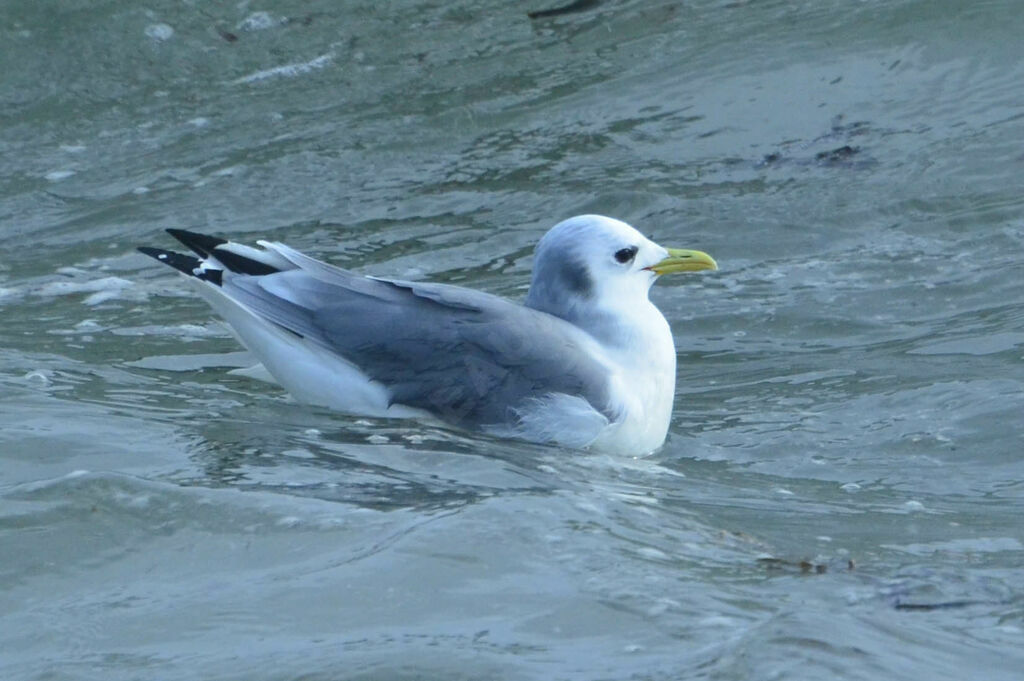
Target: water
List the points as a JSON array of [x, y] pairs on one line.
[[841, 492]]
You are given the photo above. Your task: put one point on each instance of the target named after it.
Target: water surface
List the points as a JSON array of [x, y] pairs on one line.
[[841, 492]]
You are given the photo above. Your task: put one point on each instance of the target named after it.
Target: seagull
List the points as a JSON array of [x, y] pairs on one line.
[[587, 362]]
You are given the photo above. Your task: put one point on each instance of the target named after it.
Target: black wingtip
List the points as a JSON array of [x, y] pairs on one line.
[[243, 265], [201, 244], [185, 264], [204, 245]]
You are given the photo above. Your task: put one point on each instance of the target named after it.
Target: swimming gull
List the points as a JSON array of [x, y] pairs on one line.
[[587, 362]]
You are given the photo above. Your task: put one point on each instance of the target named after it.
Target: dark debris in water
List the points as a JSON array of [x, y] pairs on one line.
[[845, 155], [837, 155], [805, 567], [945, 593], [571, 8], [944, 605]]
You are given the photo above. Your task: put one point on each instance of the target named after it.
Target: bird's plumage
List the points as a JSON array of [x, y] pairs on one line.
[[562, 368]]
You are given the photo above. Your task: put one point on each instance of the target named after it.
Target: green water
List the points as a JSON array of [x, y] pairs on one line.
[[842, 488]]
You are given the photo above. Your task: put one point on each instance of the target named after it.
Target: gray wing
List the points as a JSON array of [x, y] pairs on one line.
[[468, 357]]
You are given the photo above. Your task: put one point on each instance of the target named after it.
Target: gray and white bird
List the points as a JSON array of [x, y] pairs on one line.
[[587, 362]]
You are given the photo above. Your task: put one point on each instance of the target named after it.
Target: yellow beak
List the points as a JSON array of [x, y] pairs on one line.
[[682, 260]]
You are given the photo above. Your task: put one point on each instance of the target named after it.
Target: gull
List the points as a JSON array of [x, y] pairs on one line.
[[587, 362]]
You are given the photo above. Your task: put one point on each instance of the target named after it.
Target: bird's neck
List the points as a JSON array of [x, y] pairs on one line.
[[621, 325]]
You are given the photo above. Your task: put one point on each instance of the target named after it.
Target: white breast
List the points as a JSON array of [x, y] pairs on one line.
[[643, 387]]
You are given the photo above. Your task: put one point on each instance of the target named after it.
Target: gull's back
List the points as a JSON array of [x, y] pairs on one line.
[[380, 347]]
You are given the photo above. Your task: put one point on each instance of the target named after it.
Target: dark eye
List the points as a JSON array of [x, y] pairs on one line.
[[626, 254]]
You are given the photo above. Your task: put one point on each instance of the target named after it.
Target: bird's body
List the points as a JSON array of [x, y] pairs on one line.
[[588, 361]]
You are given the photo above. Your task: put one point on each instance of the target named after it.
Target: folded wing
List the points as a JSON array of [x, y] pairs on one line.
[[467, 357]]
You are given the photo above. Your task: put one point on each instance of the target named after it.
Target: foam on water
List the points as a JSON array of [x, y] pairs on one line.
[[287, 70], [159, 32], [58, 175], [259, 21], [101, 290]]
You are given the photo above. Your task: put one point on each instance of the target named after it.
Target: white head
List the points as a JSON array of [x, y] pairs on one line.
[[595, 271]]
